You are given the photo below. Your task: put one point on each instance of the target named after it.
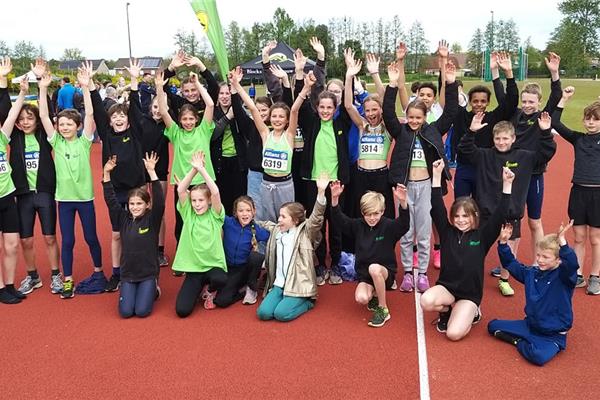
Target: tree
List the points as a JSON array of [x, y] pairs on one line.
[[566, 40], [417, 45], [489, 35], [585, 14], [234, 42], [72, 54], [4, 49], [187, 41], [41, 52], [476, 47], [456, 48], [283, 25], [507, 36], [23, 53]]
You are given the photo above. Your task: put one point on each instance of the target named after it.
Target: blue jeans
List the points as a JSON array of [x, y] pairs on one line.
[[282, 308], [137, 298]]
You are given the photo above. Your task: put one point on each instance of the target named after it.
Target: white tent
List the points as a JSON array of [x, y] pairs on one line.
[[30, 75]]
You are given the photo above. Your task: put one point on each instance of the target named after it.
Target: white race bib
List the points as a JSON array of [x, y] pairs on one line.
[[372, 145], [275, 160], [32, 160]]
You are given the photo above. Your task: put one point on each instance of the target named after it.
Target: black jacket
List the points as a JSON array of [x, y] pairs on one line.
[[430, 136], [46, 174], [463, 254]]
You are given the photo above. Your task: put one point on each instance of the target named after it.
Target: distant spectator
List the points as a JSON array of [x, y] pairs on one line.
[[146, 92], [252, 90], [65, 94], [111, 97]]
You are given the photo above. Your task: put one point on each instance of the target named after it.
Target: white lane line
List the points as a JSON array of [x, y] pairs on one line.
[[421, 345]]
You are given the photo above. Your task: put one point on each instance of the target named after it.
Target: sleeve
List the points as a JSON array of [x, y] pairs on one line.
[[158, 204], [148, 89], [115, 211], [244, 122], [5, 104], [171, 132], [562, 130], [220, 125], [402, 223], [262, 234], [390, 118], [555, 96], [568, 265], [343, 223], [444, 122], [507, 103], [212, 84], [491, 230], [100, 116], [508, 261], [319, 86], [273, 84], [286, 97], [499, 91], [59, 99], [546, 147], [468, 149], [315, 221], [135, 115], [439, 214], [207, 129], [267, 225], [184, 208]]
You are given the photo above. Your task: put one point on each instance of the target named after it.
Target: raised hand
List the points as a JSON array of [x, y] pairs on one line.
[[159, 78], [505, 233], [494, 60], [134, 69], [336, 188], [504, 62], [87, 65], [477, 122], [354, 68], [507, 175], [5, 66], [323, 182], [450, 72], [24, 84], [552, 62], [393, 72], [193, 77], [317, 47], [198, 160], [400, 194], [443, 49], [401, 51], [235, 75], [348, 56], [562, 230], [111, 163], [544, 121], [372, 63], [310, 79], [39, 68], [568, 92], [299, 60], [271, 44], [45, 80], [179, 60], [277, 71], [83, 77], [438, 167], [195, 62], [150, 161]]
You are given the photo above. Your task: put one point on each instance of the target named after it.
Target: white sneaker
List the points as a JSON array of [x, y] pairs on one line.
[[250, 297]]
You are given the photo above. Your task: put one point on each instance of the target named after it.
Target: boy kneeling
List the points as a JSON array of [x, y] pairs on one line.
[[548, 297], [375, 238]]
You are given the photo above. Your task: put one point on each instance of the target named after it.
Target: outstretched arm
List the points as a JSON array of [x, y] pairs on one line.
[[401, 51], [43, 84], [373, 68], [198, 162], [352, 68], [13, 114], [163, 108], [209, 103], [235, 77], [84, 77]]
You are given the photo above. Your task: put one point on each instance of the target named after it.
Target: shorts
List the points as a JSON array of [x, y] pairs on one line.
[[41, 203], [9, 214], [535, 196], [584, 205], [363, 275]]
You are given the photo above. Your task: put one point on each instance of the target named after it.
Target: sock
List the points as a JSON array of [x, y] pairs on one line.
[[33, 274], [117, 271], [55, 272], [504, 280], [591, 276], [414, 248], [579, 276], [436, 246], [161, 249]]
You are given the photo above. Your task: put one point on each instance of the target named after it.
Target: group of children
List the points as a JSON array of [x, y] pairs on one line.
[[351, 179]]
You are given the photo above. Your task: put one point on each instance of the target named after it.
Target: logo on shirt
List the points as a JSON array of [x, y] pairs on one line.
[[126, 139], [141, 231], [378, 238], [474, 243], [511, 164]]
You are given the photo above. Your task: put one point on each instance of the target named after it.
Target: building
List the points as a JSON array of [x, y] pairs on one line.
[[429, 64], [149, 64], [99, 66]]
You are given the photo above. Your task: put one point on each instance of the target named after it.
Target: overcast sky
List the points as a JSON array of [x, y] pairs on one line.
[[59, 24]]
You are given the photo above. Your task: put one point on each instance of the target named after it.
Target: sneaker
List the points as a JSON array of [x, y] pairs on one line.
[[415, 259], [437, 256], [250, 297], [322, 275], [113, 284], [441, 323], [593, 287], [209, 303], [422, 283], [29, 284], [56, 286], [67, 292], [408, 283], [335, 277], [95, 284], [394, 285], [477, 316], [15, 293], [163, 261], [373, 304], [158, 293], [380, 316], [505, 288], [507, 337], [495, 272], [580, 282], [7, 298]]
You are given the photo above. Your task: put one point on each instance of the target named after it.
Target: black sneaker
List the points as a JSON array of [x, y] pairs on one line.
[[15, 293], [113, 283], [507, 337], [441, 324], [7, 298]]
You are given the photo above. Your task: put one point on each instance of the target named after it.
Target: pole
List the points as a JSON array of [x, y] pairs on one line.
[[128, 31], [492, 38]]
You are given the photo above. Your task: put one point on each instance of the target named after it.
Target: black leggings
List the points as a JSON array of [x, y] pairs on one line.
[[238, 277], [192, 287]]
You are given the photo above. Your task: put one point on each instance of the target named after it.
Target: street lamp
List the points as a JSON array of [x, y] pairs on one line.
[[492, 36], [128, 32]]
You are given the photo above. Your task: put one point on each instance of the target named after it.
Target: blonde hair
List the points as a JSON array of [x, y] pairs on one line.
[[549, 242], [202, 188], [503, 126], [372, 202], [533, 88]]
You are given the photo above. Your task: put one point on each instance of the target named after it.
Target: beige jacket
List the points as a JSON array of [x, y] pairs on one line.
[[301, 278]]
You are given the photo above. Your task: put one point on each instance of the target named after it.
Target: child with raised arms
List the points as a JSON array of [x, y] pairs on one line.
[[139, 227], [200, 252], [465, 241], [375, 237], [74, 184]]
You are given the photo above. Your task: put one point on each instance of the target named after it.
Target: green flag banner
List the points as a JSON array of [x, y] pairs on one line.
[[206, 12]]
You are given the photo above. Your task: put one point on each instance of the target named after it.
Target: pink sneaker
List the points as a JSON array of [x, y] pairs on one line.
[[415, 259], [208, 300], [422, 283], [408, 283], [436, 259]]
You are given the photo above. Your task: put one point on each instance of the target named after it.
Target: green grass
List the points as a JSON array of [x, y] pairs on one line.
[[586, 92]]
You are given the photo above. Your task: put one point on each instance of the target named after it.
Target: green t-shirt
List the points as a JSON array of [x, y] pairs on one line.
[[325, 155], [6, 184], [73, 171], [32, 160], [187, 143], [200, 246], [228, 145]]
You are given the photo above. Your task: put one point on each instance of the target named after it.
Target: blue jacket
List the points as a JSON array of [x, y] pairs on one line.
[[548, 294], [65, 96], [237, 240]]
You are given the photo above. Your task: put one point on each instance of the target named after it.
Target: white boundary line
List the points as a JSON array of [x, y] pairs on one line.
[[421, 345]]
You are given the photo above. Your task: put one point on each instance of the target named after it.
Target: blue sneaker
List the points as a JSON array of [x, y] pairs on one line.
[[95, 284], [495, 272]]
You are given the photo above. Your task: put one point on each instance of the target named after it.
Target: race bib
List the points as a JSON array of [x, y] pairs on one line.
[[3, 164], [418, 155], [372, 145], [32, 160], [275, 160]]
